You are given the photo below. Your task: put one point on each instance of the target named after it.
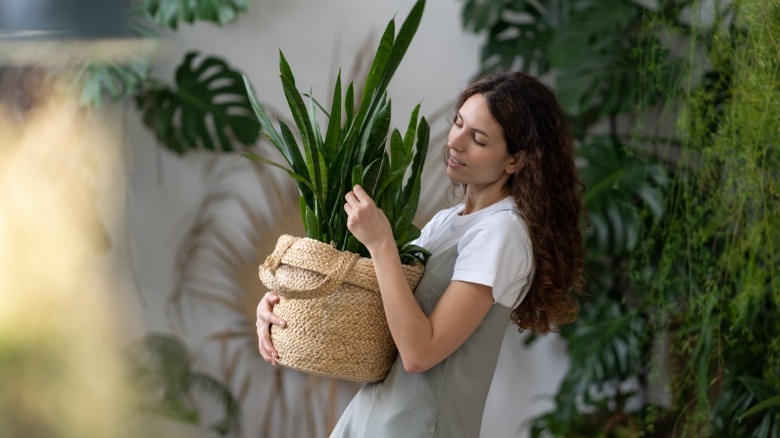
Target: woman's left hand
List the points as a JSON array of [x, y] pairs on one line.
[[365, 220]]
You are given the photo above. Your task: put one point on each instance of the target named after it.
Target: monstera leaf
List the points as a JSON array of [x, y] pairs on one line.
[[208, 108], [117, 81], [589, 44], [170, 13], [127, 72], [619, 186], [518, 32]]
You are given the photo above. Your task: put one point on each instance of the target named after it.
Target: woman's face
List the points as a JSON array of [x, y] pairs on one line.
[[477, 151]]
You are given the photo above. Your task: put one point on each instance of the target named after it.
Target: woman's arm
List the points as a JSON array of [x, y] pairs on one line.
[[422, 341]]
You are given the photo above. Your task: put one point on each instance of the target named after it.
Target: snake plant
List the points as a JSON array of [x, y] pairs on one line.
[[355, 149]]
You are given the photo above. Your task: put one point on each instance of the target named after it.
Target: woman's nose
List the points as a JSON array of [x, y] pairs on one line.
[[455, 141]]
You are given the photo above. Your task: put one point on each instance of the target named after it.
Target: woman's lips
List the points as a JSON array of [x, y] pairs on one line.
[[454, 163]]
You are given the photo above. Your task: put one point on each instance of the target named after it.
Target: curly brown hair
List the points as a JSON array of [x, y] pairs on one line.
[[547, 190]]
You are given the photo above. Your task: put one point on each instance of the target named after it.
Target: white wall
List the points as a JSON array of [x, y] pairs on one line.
[[165, 191]]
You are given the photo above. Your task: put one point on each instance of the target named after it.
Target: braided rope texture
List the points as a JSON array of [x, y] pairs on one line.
[[336, 325]]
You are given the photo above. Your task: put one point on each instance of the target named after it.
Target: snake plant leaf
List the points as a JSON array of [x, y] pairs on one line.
[[318, 146], [371, 144], [396, 150], [333, 133], [388, 62], [397, 169], [413, 253], [289, 148], [411, 132], [411, 193], [208, 108], [357, 175], [353, 152], [311, 223], [378, 65], [401, 44], [260, 159], [349, 105], [170, 13], [284, 143], [373, 176], [262, 117], [302, 121]]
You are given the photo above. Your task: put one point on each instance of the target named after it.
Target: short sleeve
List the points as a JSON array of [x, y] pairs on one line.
[[496, 252]]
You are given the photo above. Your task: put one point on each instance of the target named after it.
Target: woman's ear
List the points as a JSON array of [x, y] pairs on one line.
[[514, 164]]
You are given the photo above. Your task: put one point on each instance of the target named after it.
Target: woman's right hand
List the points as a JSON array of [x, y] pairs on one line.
[[266, 317]]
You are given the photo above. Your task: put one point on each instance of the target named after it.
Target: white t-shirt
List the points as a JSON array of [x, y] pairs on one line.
[[494, 247]]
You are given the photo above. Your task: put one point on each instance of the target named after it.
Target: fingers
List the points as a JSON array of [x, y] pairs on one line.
[[265, 346], [266, 318], [358, 196]]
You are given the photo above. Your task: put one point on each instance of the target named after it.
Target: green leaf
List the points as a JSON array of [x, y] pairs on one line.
[[759, 388], [318, 146], [353, 153], [312, 224], [349, 106], [296, 160], [260, 159], [411, 193], [284, 143], [618, 188], [478, 15], [333, 133], [170, 13], [402, 41], [371, 145], [357, 175], [378, 65], [162, 367], [117, 81], [411, 132], [303, 122], [769, 403], [209, 108]]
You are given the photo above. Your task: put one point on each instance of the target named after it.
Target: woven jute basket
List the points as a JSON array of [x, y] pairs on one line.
[[336, 325]]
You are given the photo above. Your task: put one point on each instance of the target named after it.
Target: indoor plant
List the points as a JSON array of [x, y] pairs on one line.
[[354, 150]]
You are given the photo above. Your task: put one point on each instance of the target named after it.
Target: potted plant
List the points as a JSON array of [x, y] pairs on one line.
[[329, 296]]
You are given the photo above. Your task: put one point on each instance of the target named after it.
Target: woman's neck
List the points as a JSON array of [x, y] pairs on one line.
[[476, 200]]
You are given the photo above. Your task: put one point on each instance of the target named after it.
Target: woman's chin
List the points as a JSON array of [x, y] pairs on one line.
[[455, 176]]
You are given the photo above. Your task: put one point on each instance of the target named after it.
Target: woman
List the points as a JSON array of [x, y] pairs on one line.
[[511, 251]]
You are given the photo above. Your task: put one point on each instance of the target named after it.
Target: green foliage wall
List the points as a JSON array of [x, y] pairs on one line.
[[678, 333]]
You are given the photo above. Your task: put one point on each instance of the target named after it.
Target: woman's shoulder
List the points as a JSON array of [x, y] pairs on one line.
[[504, 215]]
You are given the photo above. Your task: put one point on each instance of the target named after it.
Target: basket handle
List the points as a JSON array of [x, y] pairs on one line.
[[343, 264]]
